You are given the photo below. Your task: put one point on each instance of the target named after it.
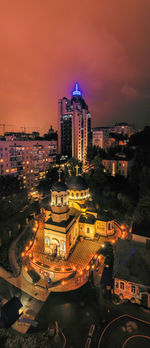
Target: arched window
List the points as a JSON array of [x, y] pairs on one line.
[[56, 200], [109, 226], [69, 239], [87, 230], [62, 200], [72, 194], [81, 194], [77, 195]]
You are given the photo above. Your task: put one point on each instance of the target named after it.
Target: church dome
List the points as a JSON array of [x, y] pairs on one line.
[[77, 183], [59, 186]]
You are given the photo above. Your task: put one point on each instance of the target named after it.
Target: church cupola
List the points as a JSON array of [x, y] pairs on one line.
[[59, 201]]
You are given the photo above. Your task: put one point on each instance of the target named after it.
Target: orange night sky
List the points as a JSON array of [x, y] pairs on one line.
[[46, 46]]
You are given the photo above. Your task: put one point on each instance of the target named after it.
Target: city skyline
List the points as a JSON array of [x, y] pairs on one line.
[[108, 55]]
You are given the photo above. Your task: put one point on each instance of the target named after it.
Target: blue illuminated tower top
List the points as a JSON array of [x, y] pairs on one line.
[[76, 91]]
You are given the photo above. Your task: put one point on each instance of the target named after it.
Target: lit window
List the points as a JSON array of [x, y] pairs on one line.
[[47, 241], [133, 289], [122, 285]]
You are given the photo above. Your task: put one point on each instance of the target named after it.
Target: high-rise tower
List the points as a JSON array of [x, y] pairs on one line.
[[74, 126]]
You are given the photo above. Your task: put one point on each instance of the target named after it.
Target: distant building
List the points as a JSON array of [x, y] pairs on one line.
[[116, 166], [125, 129], [131, 272], [25, 158], [74, 126], [100, 136]]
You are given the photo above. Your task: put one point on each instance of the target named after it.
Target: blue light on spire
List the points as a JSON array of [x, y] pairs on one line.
[[76, 91]]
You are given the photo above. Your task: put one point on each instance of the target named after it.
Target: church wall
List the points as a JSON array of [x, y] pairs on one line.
[[87, 230], [71, 238], [52, 237], [104, 228]]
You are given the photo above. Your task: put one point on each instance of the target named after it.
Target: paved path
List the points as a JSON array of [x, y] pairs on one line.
[[12, 252], [21, 283]]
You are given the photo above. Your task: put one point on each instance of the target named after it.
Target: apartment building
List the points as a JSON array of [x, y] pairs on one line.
[[27, 159]]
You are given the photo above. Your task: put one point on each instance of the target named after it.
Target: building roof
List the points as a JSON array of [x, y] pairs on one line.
[[10, 311], [88, 219], [105, 216], [79, 99], [141, 230], [90, 206], [63, 223], [77, 183], [59, 186], [132, 262]]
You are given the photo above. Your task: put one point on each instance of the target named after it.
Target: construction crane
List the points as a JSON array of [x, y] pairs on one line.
[[23, 129], [4, 125]]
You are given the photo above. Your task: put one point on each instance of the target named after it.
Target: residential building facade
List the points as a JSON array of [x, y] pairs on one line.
[[116, 166], [74, 126], [27, 159], [100, 136]]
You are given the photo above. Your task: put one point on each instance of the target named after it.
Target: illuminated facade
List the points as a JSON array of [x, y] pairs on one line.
[[116, 166], [74, 126], [29, 160], [130, 283], [72, 215], [100, 136]]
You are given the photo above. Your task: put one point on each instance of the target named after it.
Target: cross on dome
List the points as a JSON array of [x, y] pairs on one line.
[[76, 91], [77, 168]]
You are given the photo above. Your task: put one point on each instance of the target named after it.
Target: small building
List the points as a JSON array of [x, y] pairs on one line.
[[141, 234], [132, 272], [116, 166], [11, 311]]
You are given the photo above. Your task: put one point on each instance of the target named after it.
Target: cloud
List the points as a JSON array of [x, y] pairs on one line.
[[129, 91]]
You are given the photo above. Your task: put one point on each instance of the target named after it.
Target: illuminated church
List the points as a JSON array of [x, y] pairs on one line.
[[72, 215]]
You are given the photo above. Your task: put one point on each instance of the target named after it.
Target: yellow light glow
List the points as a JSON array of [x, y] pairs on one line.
[[20, 311]]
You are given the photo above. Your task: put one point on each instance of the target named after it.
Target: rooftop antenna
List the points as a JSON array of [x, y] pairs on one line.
[[76, 91]]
